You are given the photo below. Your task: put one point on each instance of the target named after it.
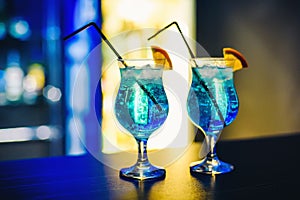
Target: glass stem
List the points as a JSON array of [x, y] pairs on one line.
[[142, 154], [212, 140]]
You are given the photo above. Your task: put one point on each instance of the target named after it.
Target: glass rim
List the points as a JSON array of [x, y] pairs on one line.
[[220, 62], [135, 59], [213, 58], [139, 63]]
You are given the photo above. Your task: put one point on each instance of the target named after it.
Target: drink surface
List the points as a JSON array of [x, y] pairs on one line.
[[135, 108], [201, 110]]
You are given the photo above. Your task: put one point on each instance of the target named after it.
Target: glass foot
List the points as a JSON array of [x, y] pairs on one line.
[[210, 166], [143, 173]]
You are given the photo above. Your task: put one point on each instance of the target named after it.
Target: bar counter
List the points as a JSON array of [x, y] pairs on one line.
[[264, 169]]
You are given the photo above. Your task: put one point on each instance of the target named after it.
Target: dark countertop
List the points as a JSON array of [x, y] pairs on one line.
[[264, 169]]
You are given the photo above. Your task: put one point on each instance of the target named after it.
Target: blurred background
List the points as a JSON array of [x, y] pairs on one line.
[[39, 70]]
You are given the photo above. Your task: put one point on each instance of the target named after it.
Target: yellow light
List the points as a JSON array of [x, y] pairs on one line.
[[128, 15], [135, 10], [36, 76]]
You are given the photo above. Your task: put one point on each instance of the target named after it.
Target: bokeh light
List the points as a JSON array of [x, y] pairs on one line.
[[53, 94], [19, 29], [2, 30]]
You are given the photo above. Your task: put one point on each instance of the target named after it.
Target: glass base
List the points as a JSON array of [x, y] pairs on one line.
[[149, 172], [210, 166]]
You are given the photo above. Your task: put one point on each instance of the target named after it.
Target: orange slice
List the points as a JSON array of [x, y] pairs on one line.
[[161, 57], [240, 61]]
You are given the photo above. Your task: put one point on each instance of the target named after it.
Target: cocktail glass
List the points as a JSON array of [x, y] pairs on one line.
[[212, 104], [141, 107]]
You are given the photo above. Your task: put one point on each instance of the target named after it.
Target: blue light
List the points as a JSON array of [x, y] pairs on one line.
[[53, 33], [2, 81], [2, 30], [81, 76], [19, 29], [78, 50]]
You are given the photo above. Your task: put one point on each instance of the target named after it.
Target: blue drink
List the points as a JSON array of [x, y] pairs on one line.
[[212, 104], [202, 111], [134, 109], [141, 107]]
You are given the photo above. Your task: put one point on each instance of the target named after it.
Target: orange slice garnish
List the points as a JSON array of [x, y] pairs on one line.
[[240, 61], [161, 57]]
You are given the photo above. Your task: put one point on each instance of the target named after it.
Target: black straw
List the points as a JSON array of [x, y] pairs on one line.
[[187, 45], [116, 53], [194, 72], [102, 35]]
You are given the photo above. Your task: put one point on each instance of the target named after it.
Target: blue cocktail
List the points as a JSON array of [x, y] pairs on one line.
[[212, 104], [141, 107]]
